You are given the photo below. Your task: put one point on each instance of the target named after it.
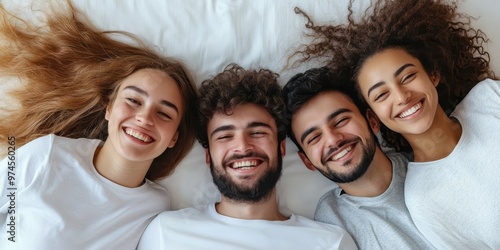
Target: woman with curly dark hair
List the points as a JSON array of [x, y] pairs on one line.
[[402, 57]]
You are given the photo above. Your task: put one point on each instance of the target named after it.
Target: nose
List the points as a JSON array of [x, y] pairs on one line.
[[242, 144], [332, 138], [145, 116], [402, 95]]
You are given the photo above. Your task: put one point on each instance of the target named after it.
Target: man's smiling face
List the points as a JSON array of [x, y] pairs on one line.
[[244, 154]]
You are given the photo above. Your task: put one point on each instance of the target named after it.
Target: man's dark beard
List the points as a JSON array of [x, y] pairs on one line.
[[360, 170], [259, 192]]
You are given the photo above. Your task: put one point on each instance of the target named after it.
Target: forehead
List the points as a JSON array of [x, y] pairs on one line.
[[317, 110], [241, 116], [386, 61], [156, 83], [149, 78], [391, 55]]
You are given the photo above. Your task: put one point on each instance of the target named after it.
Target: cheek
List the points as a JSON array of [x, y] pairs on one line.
[[271, 145], [218, 158], [173, 126], [382, 110], [434, 94], [216, 154], [112, 115], [168, 130], [315, 154], [118, 111]]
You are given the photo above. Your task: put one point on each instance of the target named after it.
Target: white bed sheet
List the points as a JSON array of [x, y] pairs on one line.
[[209, 34]]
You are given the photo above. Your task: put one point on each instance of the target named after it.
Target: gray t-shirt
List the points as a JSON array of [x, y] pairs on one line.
[[381, 222]]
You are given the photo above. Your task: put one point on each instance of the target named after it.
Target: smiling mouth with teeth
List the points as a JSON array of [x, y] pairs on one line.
[[411, 110], [137, 135], [342, 153], [244, 164]]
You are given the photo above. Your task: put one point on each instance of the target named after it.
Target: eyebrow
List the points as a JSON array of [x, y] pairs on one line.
[[398, 71], [232, 127], [258, 124], [329, 118], [144, 93]]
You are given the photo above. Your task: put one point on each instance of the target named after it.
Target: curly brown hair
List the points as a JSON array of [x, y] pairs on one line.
[[236, 86], [70, 71], [430, 30]]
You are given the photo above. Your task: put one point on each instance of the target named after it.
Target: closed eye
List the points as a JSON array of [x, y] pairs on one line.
[[165, 116], [258, 133], [342, 122], [133, 101], [313, 139], [223, 137], [408, 78], [381, 96]]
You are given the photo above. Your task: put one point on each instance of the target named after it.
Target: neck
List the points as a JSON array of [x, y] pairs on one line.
[[266, 209], [376, 179], [438, 141], [117, 169]]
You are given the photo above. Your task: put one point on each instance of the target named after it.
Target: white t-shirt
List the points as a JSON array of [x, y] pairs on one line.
[[455, 201], [61, 202], [202, 227]]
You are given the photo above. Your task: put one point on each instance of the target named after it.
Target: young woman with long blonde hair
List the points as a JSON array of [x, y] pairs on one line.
[[94, 123]]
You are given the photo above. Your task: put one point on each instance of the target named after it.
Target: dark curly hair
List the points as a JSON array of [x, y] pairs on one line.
[[302, 87], [430, 30], [236, 86]]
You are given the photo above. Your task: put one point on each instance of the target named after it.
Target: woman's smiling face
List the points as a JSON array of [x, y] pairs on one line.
[[399, 90], [144, 117]]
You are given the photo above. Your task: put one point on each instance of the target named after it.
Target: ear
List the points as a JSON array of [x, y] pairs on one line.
[[283, 148], [373, 121], [207, 157], [108, 113], [306, 161], [174, 140], [435, 78]]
